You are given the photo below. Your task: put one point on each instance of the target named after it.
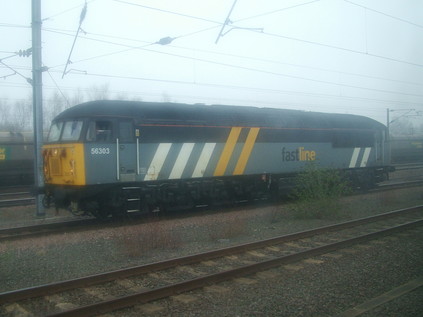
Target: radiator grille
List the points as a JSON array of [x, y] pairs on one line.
[[55, 166]]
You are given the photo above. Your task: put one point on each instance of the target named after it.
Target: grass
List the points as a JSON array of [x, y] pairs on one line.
[[318, 191]]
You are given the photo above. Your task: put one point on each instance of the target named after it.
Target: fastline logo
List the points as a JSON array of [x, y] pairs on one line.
[[299, 154]]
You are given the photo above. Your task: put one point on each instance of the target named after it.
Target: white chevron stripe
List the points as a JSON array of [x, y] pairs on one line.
[[181, 161], [157, 162], [365, 157], [204, 159], [354, 157]]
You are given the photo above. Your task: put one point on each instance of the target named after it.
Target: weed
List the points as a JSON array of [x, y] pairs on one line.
[[317, 192]]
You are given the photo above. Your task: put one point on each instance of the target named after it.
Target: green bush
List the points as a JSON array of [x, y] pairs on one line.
[[317, 192]]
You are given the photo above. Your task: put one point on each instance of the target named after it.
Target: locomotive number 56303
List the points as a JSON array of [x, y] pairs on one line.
[[100, 150]]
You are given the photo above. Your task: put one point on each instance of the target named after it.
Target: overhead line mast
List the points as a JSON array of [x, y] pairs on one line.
[[37, 95]]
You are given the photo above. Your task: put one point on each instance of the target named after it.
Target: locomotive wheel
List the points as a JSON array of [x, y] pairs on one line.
[[97, 210], [100, 214], [74, 209], [158, 208], [47, 199]]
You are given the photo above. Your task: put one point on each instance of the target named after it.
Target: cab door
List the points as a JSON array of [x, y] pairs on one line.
[[127, 152]]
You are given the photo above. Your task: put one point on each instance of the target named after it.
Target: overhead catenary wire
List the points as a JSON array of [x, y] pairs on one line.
[[9, 25], [167, 11], [29, 80], [216, 26], [385, 14], [279, 36], [309, 42], [65, 11], [270, 34], [249, 101], [249, 88], [268, 90], [144, 47], [275, 11], [240, 87], [7, 57], [210, 20], [146, 44], [254, 70], [342, 49], [58, 88]]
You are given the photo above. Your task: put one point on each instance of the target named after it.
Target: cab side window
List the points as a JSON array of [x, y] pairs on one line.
[[99, 131]]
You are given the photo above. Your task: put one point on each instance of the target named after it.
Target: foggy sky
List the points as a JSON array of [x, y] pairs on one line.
[[359, 57]]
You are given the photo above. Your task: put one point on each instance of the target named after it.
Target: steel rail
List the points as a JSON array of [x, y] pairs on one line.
[[48, 289], [396, 185], [6, 189], [43, 229], [17, 202], [166, 291], [14, 194]]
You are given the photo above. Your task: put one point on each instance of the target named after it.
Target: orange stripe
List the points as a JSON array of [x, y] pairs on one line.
[[246, 151], [227, 151]]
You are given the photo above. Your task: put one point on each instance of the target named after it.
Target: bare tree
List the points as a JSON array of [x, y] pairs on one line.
[[121, 96], [401, 127], [5, 117], [17, 116], [166, 97], [135, 98], [52, 107], [99, 92], [77, 98], [22, 115]]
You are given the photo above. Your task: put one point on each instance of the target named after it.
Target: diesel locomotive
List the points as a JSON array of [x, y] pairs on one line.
[[114, 157]]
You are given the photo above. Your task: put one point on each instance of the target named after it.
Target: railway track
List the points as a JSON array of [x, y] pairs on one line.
[[15, 196], [397, 184], [26, 232], [17, 202], [408, 166], [13, 189], [89, 296]]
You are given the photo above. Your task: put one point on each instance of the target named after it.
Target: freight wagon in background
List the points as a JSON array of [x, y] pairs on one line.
[[114, 157], [406, 150], [16, 158]]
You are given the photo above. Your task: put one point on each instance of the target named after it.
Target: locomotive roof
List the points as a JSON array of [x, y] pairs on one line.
[[216, 115]]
